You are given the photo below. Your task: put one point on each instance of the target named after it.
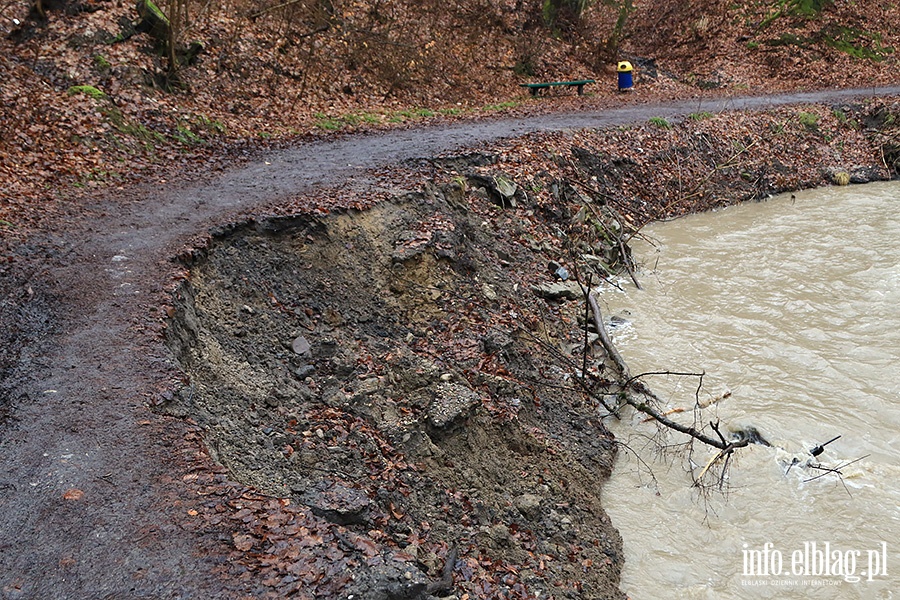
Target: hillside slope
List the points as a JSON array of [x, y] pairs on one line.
[[87, 102]]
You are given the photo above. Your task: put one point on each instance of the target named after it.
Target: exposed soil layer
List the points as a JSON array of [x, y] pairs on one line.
[[103, 497], [372, 367]]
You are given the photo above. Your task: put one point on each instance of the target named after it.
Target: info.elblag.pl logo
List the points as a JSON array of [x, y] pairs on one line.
[[827, 564]]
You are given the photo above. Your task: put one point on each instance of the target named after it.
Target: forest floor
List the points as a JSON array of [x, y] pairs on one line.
[[87, 106], [330, 371]]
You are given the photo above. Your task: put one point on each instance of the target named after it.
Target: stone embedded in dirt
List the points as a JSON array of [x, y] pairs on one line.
[[389, 579], [420, 444], [342, 505], [370, 386], [499, 533], [495, 536], [496, 341], [560, 290], [529, 505], [559, 271], [409, 244], [332, 317], [451, 402], [301, 345], [343, 365], [499, 189], [506, 187], [867, 174], [326, 348], [305, 371]]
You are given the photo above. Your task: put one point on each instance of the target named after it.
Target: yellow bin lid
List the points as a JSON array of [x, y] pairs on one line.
[[624, 66]]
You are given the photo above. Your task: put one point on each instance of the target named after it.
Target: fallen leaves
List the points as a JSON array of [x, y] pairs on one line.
[[73, 494], [243, 542], [55, 145]]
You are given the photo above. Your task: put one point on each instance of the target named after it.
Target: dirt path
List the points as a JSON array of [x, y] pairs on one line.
[[93, 504]]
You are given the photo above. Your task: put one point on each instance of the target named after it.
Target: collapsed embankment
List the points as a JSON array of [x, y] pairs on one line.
[[407, 379]]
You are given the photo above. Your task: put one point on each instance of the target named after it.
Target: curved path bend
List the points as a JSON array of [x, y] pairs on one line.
[[91, 500]]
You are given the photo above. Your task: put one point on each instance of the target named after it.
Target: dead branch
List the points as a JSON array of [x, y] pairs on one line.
[[587, 344], [626, 260], [641, 460], [634, 390], [645, 408], [623, 249], [821, 447], [671, 411], [836, 470], [611, 350]]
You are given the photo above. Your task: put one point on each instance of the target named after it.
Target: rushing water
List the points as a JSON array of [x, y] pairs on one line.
[[792, 305]]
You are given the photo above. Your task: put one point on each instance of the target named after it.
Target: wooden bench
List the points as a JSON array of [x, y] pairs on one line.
[[535, 88]]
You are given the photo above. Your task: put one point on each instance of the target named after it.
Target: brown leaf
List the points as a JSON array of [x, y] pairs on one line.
[[243, 542], [73, 494], [366, 546]]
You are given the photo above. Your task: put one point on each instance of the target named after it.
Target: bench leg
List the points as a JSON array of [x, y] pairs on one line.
[[534, 91], [580, 90]]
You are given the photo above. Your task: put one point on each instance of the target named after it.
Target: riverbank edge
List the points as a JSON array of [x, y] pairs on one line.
[[696, 163], [664, 169], [744, 156], [34, 305]]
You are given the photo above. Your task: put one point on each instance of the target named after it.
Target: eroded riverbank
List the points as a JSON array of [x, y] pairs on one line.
[[391, 372], [401, 375]]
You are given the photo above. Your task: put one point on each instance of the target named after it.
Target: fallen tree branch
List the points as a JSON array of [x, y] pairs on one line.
[[836, 470], [611, 350], [633, 388], [685, 429], [626, 260]]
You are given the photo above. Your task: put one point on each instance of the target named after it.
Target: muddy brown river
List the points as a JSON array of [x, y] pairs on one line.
[[792, 305]]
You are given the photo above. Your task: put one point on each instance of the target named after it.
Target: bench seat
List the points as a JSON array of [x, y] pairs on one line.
[[535, 88]]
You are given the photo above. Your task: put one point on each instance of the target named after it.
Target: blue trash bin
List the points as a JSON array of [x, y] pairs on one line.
[[626, 76]]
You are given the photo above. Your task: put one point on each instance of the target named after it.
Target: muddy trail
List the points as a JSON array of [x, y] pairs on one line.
[[108, 486]]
